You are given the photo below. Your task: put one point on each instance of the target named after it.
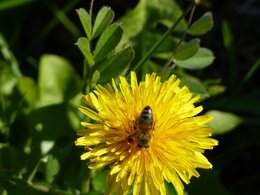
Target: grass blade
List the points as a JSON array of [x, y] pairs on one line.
[[7, 4]]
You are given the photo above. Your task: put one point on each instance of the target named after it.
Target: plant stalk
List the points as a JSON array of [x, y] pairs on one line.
[[160, 41]]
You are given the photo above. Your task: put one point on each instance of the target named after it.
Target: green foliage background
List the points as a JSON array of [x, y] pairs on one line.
[[50, 54]]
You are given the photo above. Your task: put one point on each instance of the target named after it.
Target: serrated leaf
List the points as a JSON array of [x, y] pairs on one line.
[[202, 25], [187, 50], [114, 65], [203, 58], [107, 42], [223, 122], [84, 46], [52, 168], [104, 17], [195, 86], [85, 20]]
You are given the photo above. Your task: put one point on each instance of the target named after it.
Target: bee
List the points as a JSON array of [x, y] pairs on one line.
[[142, 128], [145, 124]]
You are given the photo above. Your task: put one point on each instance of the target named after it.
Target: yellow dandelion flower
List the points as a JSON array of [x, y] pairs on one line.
[[147, 133]]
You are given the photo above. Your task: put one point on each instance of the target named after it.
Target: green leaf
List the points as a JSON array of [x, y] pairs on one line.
[[73, 112], [216, 90], [52, 168], [170, 189], [107, 42], [228, 35], [85, 20], [19, 186], [187, 50], [7, 4], [223, 122], [149, 14], [203, 58], [94, 193], [28, 90], [114, 65], [9, 57], [202, 25], [84, 46], [63, 18], [7, 79], [34, 161], [251, 71], [151, 37], [99, 180], [195, 86], [12, 160], [95, 77], [50, 122], [104, 17], [151, 66], [58, 81]]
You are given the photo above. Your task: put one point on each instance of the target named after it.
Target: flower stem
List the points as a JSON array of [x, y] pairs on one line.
[[85, 88], [91, 8], [87, 67], [169, 61], [160, 41]]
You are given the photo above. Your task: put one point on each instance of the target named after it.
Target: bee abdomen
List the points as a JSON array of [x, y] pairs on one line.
[[145, 122], [143, 140]]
